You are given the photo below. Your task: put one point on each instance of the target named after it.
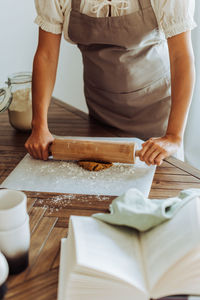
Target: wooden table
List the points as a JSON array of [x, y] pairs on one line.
[[49, 212]]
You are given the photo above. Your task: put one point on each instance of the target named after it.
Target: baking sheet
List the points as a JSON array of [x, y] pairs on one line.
[[68, 177]]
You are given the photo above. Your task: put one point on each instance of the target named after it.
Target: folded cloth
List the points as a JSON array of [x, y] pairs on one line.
[[134, 210]]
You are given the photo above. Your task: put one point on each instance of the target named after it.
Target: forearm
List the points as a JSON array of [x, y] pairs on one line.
[[155, 150], [44, 75], [182, 85]]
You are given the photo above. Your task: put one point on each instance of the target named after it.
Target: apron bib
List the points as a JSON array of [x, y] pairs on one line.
[[126, 69]]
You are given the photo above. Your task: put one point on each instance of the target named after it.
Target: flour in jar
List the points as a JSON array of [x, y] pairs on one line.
[[21, 100], [20, 110]]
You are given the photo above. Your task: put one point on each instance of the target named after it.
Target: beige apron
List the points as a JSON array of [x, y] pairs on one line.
[[126, 69]]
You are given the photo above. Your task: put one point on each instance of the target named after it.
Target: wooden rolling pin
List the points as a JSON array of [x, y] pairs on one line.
[[96, 150]]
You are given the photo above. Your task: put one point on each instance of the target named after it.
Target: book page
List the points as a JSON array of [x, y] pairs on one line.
[[164, 245], [182, 279], [67, 264], [90, 287], [63, 271], [107, 250]]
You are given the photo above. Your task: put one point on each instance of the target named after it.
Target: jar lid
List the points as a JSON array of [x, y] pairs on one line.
[[5, 99], [4, 270], [19, 78]]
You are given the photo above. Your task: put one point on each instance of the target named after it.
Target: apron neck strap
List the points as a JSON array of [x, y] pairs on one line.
[[76, 5], [145, 3]]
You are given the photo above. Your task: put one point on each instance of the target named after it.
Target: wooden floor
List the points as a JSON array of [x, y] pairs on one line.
[[50, 212]]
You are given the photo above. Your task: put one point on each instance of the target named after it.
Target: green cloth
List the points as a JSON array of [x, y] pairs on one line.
[[134, 210]]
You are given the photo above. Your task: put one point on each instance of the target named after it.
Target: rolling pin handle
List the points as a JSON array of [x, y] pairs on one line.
[[137, 152]]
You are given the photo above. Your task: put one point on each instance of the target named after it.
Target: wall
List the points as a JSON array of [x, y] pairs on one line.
[[69, 83], [18, 35], [192, 133]]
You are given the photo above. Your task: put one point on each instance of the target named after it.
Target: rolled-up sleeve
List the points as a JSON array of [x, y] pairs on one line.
[[50, 16], [174, 16]]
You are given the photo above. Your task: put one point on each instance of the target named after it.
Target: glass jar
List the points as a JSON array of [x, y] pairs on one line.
[[5, 99], [17, 99]]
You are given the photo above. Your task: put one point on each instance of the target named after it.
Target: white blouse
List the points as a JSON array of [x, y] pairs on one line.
[[173, 16]]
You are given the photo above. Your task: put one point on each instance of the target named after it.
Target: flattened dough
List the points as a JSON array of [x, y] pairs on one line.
[[94, 165]]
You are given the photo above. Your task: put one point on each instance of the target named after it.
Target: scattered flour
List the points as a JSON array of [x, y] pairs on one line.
[[68, 177], [75, 177], [76, 172], [56, 203]]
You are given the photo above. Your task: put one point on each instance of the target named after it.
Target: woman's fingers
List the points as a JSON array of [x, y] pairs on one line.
[[159, 159], [152, 153], [38, 144], [147, 157], [154, 157], [148, 148], [30, 150], [39, 151], [151, 158], [155, 150], [35, 150], [45, 151], [145, 147]]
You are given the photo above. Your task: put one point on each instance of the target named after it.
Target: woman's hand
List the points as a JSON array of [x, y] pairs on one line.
[[156, 149], [38, 143]]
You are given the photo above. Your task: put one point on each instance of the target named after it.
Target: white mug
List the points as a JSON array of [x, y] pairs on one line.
[[14, 244], [12, 209], [3, 275]]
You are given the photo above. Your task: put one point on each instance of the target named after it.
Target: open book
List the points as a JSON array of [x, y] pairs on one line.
[[103, 261]]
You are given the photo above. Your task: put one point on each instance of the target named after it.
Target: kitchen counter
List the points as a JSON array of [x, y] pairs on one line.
[[50, 212]]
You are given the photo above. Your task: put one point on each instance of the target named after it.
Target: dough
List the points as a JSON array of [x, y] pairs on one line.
[[94, 165]]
